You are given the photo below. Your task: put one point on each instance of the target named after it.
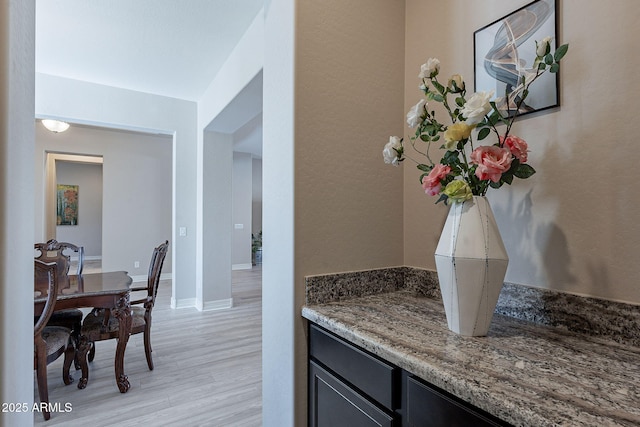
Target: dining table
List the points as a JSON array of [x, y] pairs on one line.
[[107, 290]]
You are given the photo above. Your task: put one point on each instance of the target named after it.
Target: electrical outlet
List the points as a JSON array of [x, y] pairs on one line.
[[136, 264]]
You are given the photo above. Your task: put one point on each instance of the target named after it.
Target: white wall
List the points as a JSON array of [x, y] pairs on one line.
[[104, 106], [88, 230], [241, 69], [215, 290], [571, 226], [242, 185], [279, 317], [17, 65], [136, 189]]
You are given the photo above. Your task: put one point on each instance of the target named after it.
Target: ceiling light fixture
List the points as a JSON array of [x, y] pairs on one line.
[[55, 125]]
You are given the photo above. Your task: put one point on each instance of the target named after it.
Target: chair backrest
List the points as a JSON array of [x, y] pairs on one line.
[[45, 283], [55, 251], [155, 268]]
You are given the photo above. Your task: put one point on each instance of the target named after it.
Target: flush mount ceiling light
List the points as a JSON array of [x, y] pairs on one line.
[[55, 125]]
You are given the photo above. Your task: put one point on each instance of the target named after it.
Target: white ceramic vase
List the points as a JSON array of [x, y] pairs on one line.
[[471, 262]]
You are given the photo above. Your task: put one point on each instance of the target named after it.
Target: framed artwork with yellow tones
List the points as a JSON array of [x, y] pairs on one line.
[[67, 204]]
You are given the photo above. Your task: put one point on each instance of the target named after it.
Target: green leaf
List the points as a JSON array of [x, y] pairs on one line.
[[422, 176], [560, 52], [424, 168], [460, 101], [484, 132], [438, 98], [425, 137], [494, 118], [436, 138], [450, 157], [548, 59], [443, 198], [495, 184], [555, 68], [438, 86], [524, 171], [507, 178], [542, 66]]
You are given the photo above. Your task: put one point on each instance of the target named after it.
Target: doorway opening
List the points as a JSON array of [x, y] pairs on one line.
[[81, 177]]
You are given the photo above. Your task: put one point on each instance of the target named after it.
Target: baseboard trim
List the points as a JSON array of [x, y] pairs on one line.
[[183, 303], [248, 266], [144, 277], [214, 305]]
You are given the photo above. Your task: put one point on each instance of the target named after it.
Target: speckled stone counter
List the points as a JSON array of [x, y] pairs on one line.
[[525, 373]]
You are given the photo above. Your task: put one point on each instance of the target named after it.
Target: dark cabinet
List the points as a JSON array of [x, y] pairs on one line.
[[424, 405], [333, 403], [348, 386], [351, 387]]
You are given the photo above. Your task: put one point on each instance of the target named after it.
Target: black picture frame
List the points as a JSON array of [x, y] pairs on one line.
[[505, 48]]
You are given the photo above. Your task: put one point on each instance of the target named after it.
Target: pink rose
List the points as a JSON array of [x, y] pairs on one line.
[[492, 162], [431, 182], [517, 146]]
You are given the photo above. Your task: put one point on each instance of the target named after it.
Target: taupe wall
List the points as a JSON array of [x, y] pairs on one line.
[[572, 226], [348, 93]]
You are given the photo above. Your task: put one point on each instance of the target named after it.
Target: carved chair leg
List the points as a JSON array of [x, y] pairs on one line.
[[147, 341], [75, 333], [69, 357], [83, 348], [147, 349], [41, 374], [92, 353]]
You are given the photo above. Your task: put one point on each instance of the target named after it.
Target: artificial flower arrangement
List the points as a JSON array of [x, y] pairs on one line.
[[465, 171]]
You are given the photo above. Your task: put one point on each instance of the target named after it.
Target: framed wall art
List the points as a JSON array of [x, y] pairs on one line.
[[505, 50], [67, 205]]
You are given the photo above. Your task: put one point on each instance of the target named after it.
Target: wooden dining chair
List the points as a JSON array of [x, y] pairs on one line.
[[101, 325], [49, 342], [54, 251]]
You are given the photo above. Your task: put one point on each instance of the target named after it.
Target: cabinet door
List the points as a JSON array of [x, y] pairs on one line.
[[334, 404], [429, 407], [369, 374]]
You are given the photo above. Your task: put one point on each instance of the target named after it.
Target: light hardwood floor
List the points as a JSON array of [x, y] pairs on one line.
[[208, 369]]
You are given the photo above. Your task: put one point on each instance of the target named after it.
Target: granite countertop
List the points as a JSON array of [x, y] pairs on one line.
[[522, 372]]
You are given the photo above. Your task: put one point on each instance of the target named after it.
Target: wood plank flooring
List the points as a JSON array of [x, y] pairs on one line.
[[208, 369]]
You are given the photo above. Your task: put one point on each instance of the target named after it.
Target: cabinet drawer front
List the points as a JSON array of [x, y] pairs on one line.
[[426, 406], [374, 377], [334, 404]]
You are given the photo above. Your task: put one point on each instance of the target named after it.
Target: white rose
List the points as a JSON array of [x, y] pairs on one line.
[[431, 67], [542, 46], [413, 116], [392, 152], [456, 83], [477, 107]]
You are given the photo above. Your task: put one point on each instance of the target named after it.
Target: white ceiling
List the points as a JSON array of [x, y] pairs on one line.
[[166, 47]]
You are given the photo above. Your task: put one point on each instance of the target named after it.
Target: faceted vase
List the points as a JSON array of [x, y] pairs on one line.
[[471, 262]]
